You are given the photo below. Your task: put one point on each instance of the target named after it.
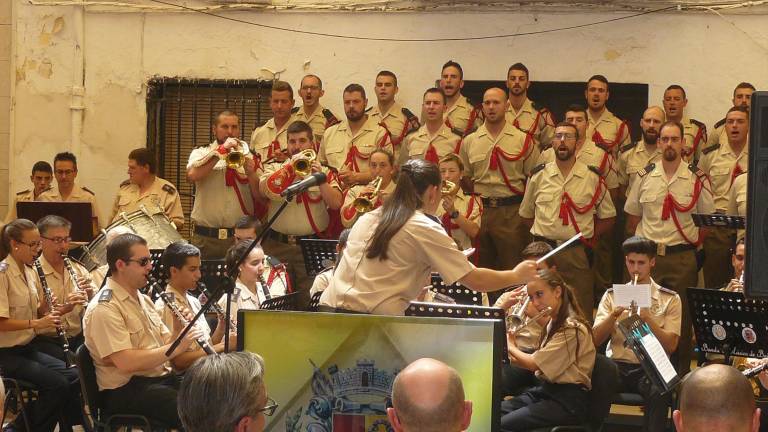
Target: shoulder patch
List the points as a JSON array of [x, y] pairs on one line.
[[458, 132], [696, 170], [721, 123], [125, 183], [328, 114], [170, 189], [46, 190], [26, 191], [602, 146], [710, 149], [87, 190], [595, 170], [698, 123], [3, 267], [648, 168], [537, 169], [628, 147], [294, 110], [408, 114], [667, 290], [105, 296], [368, 109]]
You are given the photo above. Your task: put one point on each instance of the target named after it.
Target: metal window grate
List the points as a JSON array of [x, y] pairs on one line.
[[180, 114]]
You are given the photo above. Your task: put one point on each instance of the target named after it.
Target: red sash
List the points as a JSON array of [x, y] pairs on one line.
[[497, 154], [671, 207], [598, 138], [567, 207]]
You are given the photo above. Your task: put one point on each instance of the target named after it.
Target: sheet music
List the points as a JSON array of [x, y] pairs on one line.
[[624, 294], [659, 357]]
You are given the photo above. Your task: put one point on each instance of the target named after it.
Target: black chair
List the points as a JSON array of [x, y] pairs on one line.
[[314, 302], [17, 394], [91, 403]]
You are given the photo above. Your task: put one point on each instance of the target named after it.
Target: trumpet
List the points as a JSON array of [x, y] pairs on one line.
[[517, 317], [170, 302], [515, 326], [235, 158], [365, 202], [448, 188], [68, 356], [302, 162]]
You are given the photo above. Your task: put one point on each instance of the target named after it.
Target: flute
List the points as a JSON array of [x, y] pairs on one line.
[[169, 301], [68, 356]]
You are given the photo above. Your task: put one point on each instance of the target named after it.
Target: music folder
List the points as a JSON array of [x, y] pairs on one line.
[[79, 214], [649, 351]]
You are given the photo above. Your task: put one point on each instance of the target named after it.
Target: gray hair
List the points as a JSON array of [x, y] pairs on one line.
[[219, 390], [52, 221]]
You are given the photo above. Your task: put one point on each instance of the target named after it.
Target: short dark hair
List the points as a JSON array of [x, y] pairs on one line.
[[282, 86], [385, 152], [42, 166], [13, 230], [354, 87], [387, 74], [600, 78], [435, 90], [518, 67], [452, 157], [538, 249], [300, 126], [235, 252], [65, 157], [743, 85], [570, 125], [676, 87], [120, 249], [739, 108], [451, 63], [176, 254], [578, 108], [144, 157], [247, 222], [52, 221], [225, 113], [676, 124], [319, 81], [639, 245]]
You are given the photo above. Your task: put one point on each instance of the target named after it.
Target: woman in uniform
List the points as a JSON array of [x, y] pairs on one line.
[[249, 291], [382, 164], [460, 213]]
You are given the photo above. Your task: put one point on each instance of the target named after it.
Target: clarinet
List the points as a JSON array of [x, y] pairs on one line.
[[264, 287], [71, 271], [749, 373], [68, 356], [167, 298], [205, 297]]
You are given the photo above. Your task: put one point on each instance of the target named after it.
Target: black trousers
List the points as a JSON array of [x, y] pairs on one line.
[[545, 405], [632, 379], [52, 345], [58, 387], [151, 397], [516, 380]]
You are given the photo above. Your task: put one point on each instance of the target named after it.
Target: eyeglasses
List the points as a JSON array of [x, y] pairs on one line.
[[270, 408], [562, 136], [59, 240], [68, 172], [141, 261], [34, 245]]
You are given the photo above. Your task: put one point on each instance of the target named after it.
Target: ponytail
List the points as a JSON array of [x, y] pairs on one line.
[[416, 176], [13, 231], [569, 306]]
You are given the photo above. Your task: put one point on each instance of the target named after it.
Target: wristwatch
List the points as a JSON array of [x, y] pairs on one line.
[[454, 214]]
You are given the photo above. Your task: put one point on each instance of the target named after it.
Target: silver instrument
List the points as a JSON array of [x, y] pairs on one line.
[[516, 317], [71, 272], [515, 327], [205, 297], [68, 355]]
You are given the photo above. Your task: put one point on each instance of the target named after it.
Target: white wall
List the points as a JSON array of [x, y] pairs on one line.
[[5, 101], [703, 52]]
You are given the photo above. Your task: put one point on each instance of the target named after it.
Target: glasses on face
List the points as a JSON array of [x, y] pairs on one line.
[[673, 140], [565, 136], [64, 173], [269, 408], [33, 245], [59, 240], [141, 261]]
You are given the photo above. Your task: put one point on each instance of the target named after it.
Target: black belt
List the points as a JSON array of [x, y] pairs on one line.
[[556, 243], [290, 239], [493, 202], [218, 233], [678, 248]]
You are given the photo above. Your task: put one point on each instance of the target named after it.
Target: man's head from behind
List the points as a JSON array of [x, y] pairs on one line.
[[428, 396], [716, 398]]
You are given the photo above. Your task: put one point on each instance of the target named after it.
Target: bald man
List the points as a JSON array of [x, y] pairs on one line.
[[428, 396], [716, 398]]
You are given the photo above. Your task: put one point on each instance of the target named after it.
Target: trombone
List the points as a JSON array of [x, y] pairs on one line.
[[366, 202], [302, 162]]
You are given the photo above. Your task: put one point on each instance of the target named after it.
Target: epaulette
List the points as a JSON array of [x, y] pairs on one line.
[[294, 110], [125, 183], [648, 168], [170, 189], [329, 117], [46, 189], [537, 168], [458, 132], [696, 170], [595, 170], [3, 267], [368, 109], [23, 192], [628, 147], [543, 110], [329, 268], [609, 290], [698, 123], [408, 114], [87, 190], [602, 146], [667, 290], [720, 123], [710, 149], [411, 119], [235, 294], [105, 296]]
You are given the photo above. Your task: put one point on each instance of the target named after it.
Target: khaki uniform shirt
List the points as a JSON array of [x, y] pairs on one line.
[[458, 115], [695, 138], [395, 122], [632, 159], [723, 165], [477, 152], [348, 213], [529, 337], [242, 298], [568, 357], [666, 312], [18, 300], [321, 282], [469, 206], [545, 194], [538, 122], [317, 120], [294, 220], [61, 286], [160, 196], [420, 142], [268, 139], [646, 199], [79, 194], [737, 200], [718, 135], [98, 274], [216, 204], [610, 128], [183, 301], [25, 195], [385, 287], [591, 155], [338, 141], [115, 321]]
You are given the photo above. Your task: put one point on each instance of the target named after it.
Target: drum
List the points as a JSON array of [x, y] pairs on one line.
[[154, 227]]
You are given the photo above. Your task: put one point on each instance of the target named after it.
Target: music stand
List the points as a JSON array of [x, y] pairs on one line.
[[650, 353], [458, 292], [319, 254], [288, 302], [314, 302], [79, 214], [213, 271], [719, 221], [728, 323]]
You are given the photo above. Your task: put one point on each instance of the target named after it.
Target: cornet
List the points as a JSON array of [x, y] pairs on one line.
[[515, 326], [235, 158], [302, 162], [448, 188], [365, 202]]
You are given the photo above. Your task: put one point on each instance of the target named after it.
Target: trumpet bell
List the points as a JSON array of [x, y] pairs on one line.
[[366, 203], [235, 159], [302, 164], [449, 188]]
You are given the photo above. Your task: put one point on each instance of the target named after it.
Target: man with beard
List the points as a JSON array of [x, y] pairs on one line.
[[498, 159], [742, 96], [604, 128], [434, 139], [389, 114], [523, 113], [304, 217], [269, 140], [637, 155], [565, 197], [348, 145], [460, 114], [659, 207], [723, 163], [311, 111], [675, 102]]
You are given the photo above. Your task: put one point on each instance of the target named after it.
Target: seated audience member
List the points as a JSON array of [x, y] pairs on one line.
[[225, 393], [324, 278], [716, 398], [428, 396]]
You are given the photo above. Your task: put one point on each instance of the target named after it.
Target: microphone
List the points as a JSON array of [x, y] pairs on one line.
[[309, 181]]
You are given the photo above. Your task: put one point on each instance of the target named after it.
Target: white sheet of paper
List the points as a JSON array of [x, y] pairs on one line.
[[624, 294], [659, 357]]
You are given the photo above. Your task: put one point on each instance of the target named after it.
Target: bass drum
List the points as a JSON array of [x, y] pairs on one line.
[[276, 277], [154, 227]]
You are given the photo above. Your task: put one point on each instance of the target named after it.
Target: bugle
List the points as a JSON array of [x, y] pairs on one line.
[[449, 188], [516, 327], [302, 162], [367, 202], [235, 159]]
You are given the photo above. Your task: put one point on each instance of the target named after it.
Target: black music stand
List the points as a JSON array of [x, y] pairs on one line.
[[656, 365], [79, 214], [728, 323], [319, 254], [288, 302], [314, 302], [213, 271], [458, 292], [719, 221]]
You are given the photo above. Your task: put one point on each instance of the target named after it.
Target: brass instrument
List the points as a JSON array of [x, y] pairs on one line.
[[170, 302], [235, 158], [740, 363], [302, 162], [68, 355], [448, 188], [366, 202], [515, 327]]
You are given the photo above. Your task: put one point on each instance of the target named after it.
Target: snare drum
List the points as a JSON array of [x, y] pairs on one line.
[[154, 227], [276, 277]]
